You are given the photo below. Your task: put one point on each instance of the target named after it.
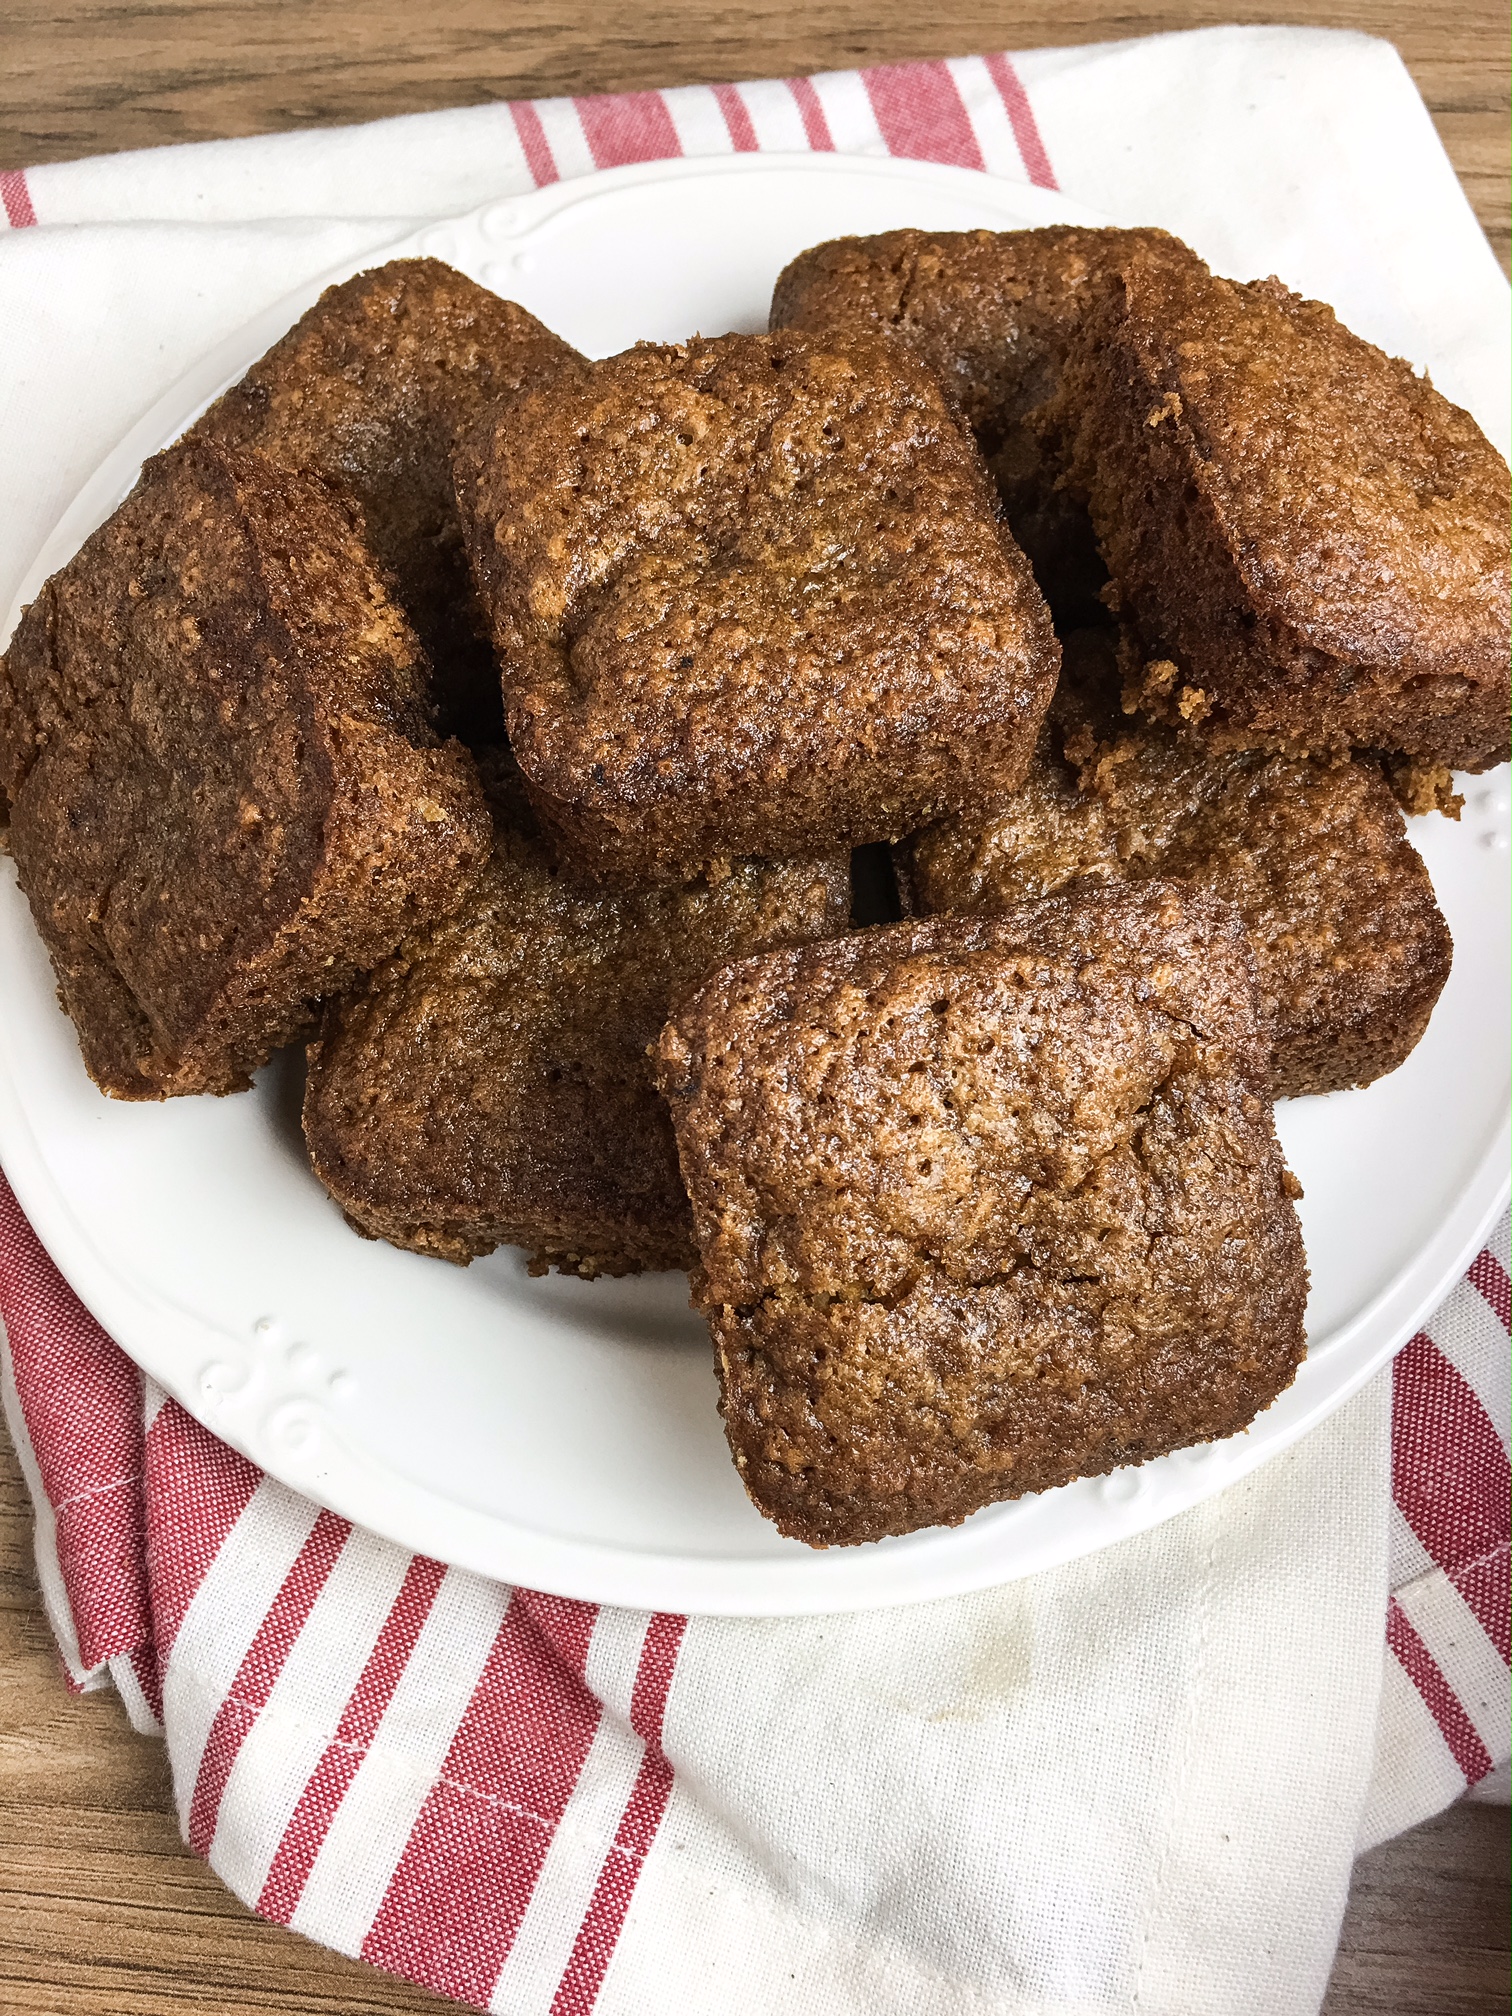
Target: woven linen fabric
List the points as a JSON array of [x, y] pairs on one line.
[[1135, 1783]]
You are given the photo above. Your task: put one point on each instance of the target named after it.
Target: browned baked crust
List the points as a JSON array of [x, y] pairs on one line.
[[985, 1204], [372, 389], [750, 596], [992, 314], [226, 793], [1309, 539], [1351, 950], [491, 1083]]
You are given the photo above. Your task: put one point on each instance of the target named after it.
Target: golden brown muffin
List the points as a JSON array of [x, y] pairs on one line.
[[372, 389], [1309, 540], [1350, 947], [491, 1082], [750, 596], [992, 314], [985, 1204], [226, 794]]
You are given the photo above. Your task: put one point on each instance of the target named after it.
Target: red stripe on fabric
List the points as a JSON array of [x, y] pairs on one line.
[[1486, 1273], [325, 1788], [533, 142], [815, 126], [599, 1932], [327, 1784], [1026, 133], [262, 1665], [567, 1625], [643, 1814], [100, 1544], [1439, 1698], [456, 1899], [17, 198], [598, 1935], [145, 1666], [737, 119], [920, 115], [196, 1489], [81, 1398], [653, 1679], [1449, 1472], [632, 126]]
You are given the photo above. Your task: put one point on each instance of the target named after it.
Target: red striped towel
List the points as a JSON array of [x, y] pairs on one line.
[[1086, 1791]]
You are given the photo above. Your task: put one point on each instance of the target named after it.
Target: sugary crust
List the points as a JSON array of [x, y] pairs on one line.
[[226, 793], [490, 1083], [1305, 533], [992, 315], [750, 596], [1351, 949], [985, 1204], [372, 389]]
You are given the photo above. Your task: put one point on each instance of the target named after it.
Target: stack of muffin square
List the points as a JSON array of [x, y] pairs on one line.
[[872, 813]]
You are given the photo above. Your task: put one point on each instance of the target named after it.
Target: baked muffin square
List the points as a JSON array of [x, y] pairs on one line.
[[985, 1204], [226, 793], [372, 389], [750, 596], [491, 1083], [1308, 541], [1351, 949], [992, 314]]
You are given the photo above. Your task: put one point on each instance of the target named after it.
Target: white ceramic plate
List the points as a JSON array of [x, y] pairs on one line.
[[563, 1434]]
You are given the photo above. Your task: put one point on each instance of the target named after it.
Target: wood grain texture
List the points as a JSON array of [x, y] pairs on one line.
[[1426, 1932], [82, 76], [103, 1912]]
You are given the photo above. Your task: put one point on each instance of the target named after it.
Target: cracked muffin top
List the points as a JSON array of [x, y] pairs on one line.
[[940, 1095], [749, 596], [985, 1204]]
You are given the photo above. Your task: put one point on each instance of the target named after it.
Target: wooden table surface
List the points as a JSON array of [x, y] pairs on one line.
[[102, 1911]]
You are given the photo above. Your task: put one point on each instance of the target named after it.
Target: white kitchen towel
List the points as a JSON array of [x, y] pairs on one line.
[[1133, 1784]]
